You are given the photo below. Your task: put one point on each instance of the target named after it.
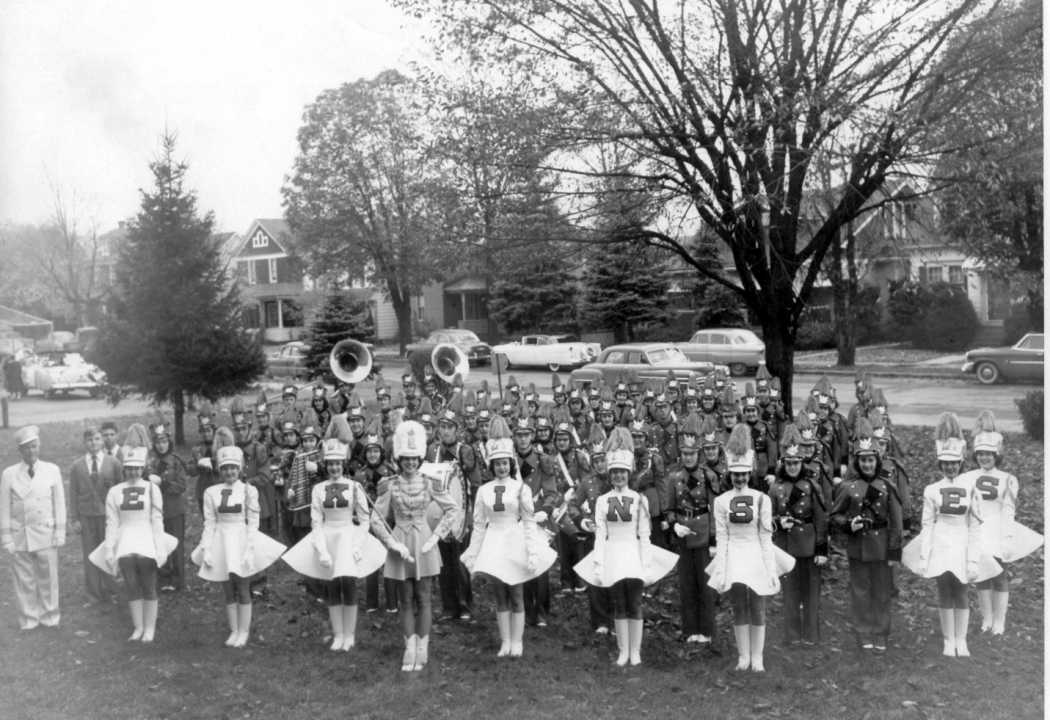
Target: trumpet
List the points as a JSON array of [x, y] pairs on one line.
[[350, 361]]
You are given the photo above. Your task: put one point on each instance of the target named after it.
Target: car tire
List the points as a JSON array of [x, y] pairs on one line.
[[737, 369], [987, 373], [554, 367]]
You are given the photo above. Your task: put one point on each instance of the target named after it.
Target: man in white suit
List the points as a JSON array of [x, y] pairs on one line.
[[32, 528]]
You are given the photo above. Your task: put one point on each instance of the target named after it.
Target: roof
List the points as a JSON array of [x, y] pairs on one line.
[[277, 228], [466, 284], [17, 318], [644, 347]]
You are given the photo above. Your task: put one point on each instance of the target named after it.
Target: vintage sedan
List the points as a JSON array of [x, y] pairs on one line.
[[60, 373], [477, 352], [289, 361], [553, 352], [738, 348], [649, 361], [1021, 361]]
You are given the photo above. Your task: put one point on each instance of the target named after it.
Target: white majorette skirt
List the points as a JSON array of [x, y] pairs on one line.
[[623, 559], [503, 553], [355, 552], [135, 539], [1009, 544], [228, 549], [742, 561], [947, 554]]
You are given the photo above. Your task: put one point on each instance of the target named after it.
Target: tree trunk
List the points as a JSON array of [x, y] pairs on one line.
[[402, 303], [779, 338], [180, 410], [844, 293]]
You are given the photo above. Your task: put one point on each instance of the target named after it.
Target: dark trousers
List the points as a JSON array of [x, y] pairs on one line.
[[599, 600], [802, 601], [537, 599], [174, 570], [98, 584], [454, 580], [570, 552], [870, 588], [697, 599], [372, 591]]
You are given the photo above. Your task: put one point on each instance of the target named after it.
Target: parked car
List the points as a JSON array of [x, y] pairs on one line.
[[740, 349], [553, 352], [1021, 361], [60, 373], [649, 361], [289, 361], [477, 352]]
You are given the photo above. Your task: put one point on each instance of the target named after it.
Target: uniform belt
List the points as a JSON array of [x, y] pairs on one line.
[[690, 514]]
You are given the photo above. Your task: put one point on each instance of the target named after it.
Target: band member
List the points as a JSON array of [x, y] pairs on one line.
[[374, 476], [538, 472], [288, 412], [665, 429], [201, 466], [90, 478], [650, 479], [571, 465], [1004, 538], [302, 469], [693, 493], [862, 388], [867, 508], [950, 547], [232, 548], [771, 409], [762, 440], [135, 543], [339, 548], [800, 528], [581, 512], [319, 406], [729, 415], [171, 470], [506, 545], [32, 528], [400, 521], [747, 564], [623, 559], [831, 426], [264, 433], [544, 429]]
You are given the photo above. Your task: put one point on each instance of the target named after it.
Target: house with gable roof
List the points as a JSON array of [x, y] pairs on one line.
[[272, 281]]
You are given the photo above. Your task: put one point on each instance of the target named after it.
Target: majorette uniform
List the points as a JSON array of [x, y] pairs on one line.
[[1004, 538], [231, 533], [134, 526], [744, 549], [621, 538], [340, 520], [505, 535], [404, 507]]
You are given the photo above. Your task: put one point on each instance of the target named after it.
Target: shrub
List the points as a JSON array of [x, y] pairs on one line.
[[936, 317], [815, 335], [1031, 408], [868, 312], [1019, 323]]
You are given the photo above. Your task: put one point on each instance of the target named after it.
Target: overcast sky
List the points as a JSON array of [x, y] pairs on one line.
[[88, 86]]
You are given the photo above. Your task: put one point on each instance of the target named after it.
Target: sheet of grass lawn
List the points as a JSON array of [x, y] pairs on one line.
[[87, 669]]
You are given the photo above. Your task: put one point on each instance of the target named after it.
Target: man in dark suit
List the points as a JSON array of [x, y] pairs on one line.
[[90, 478]]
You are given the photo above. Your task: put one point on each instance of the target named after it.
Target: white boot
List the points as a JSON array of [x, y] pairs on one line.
[[962, 622], [422, 648], [947, 616], [742, 633], [231, 618], [503, 622], [623, 640], [335, 616], [517, 634], [408, 660], [244, 624], [149, 620], [758, 645], [984, 602], [635, 632], [1000, 601], [349, 626], [135, 606]]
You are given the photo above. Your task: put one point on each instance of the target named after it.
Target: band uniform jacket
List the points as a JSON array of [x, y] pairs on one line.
[[172, 472], [898, 477], [878, 502], [257, 474], [87, 492], [650, 480], [773, 415], [801, 499], [205, 476], [692, 495], [665, 440], [32, 509], [538, 472], [765, 445]]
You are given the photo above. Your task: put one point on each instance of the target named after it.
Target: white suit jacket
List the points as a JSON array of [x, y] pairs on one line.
[[32, 509]]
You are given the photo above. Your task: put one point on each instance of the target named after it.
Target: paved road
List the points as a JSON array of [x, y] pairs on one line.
[[913, 401]]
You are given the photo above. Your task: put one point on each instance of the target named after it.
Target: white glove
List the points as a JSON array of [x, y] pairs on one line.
[[155, 479], [587, 524], [60, 539], [208, 559], [820, 560], [682, 531], [357, 554], [597, 567], [311, 466], [430, 544], [532, 562], [204, 462], [856, 523], [836, 480], [324, 558], [402, 550], [971, 571], [570, 494], [290, 494], [770, 479], [111, 558], [540, 516], [787, 522]]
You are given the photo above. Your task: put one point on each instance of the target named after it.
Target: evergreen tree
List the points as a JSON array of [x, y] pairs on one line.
[[539, 295], [341, 318], [175, 323], [625, 286]]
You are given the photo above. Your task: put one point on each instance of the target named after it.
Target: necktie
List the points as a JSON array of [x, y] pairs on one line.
[[32, 472], [94, 465]]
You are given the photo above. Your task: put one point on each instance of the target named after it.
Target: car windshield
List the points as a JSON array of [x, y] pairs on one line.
[[666, 356], [463, 336], [1032, 342]]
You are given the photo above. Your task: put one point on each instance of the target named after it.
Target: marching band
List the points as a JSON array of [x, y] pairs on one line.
[[622, 486]]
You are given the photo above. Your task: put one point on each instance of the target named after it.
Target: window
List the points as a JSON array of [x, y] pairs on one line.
[[259, 239], [701, 338], [615, 357], [930, 274], [955, 275], [273, 270], [634, 358], [1031, 342], [718, 339], [251, 272]]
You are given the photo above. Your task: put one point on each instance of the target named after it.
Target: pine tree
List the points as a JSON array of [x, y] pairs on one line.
[[538, 296], [174, 327], [340, 318], [625, 286]]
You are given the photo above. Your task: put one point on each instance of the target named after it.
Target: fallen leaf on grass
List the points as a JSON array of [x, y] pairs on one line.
[[909, 703]]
